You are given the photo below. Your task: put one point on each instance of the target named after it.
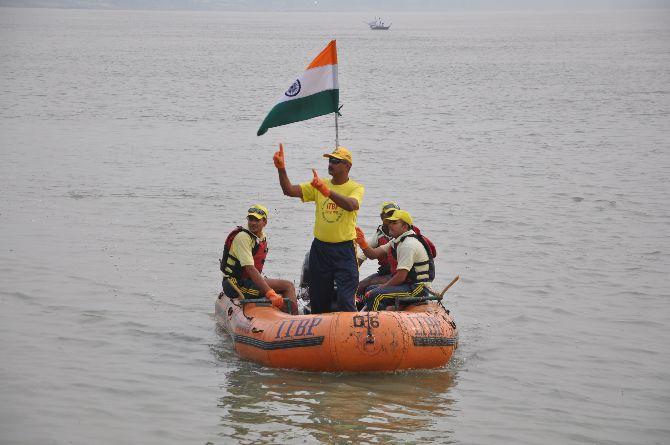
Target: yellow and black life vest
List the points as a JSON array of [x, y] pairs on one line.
[[230, 266], [414, 276]]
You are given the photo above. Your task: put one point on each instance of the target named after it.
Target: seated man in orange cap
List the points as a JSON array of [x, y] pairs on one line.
[[243, 260], [333, 269], [415, 270]]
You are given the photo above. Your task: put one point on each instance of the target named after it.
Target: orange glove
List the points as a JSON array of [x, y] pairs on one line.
[[321, 186], [278, 158], [360, 238], [276, 299]]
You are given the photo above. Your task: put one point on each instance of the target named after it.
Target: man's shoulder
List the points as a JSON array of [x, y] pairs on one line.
[[416, 246], [245, 236], [351, 188], [350, 184], [411, 241]]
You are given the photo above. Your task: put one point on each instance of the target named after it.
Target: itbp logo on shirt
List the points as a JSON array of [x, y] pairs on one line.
[[330, 212]]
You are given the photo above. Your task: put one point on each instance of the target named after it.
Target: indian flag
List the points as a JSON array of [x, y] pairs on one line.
[[313, 94]]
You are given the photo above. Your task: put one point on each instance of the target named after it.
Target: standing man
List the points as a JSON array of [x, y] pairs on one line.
[[415, 270], [332, 258], [243, 260]]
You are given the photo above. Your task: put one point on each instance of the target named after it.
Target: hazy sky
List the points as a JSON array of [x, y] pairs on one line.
[[340, 5]]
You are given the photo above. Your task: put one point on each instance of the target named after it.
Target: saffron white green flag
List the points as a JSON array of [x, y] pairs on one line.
[[313, 94]]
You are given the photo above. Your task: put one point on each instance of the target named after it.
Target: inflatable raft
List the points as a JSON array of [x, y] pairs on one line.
[[421, 336]]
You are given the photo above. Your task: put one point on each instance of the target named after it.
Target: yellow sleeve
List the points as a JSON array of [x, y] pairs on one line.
[[241, 249], [358, 193], [308, 192]]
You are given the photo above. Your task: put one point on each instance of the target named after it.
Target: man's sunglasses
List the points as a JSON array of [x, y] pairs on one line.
[[257, 211], [335, 161], [389, 209]]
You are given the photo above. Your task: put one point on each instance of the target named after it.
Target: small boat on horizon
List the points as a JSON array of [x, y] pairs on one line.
[[378, 24]]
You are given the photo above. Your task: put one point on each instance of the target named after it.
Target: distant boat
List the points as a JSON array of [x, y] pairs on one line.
[[378, 24]]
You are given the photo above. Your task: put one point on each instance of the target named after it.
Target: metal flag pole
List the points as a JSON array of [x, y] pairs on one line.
[[337, 135], [337, 132]]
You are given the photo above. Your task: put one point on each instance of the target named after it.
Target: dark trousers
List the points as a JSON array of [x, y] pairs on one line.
[[245, 285], [333, 276], [381, 297]]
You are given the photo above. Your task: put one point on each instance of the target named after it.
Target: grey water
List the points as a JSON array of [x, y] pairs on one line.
[[532, 147]]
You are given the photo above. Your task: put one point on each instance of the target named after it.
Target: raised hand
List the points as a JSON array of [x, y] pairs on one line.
[[321, 186], [278, 157]]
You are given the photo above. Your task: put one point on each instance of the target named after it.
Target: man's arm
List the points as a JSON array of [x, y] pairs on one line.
[[257, 278], [241, 248], [370, 252], [398, 278], [405, 263], [294, 191], [347, 203], [265, 289], [289, 189], [373, 252]]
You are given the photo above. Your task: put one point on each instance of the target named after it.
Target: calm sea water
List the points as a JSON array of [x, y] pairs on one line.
[[533, 148]]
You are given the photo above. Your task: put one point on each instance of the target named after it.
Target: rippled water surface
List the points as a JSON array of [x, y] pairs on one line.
[[533, 148]]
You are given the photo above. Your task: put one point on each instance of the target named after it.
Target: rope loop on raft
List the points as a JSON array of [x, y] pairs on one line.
[[238, 301]]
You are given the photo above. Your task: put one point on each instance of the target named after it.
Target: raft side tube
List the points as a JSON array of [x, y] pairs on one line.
[[421, 336]]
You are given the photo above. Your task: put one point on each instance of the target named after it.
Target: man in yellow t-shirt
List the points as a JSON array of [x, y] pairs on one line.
[[333, 270]]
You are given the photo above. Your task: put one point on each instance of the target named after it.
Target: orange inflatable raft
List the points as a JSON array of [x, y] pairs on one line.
[[421, 336]]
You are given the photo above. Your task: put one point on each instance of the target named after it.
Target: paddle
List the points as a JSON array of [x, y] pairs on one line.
[[441, 294]]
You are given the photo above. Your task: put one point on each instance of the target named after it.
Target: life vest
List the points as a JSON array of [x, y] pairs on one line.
[[393, 263], [431, 246], [413, 276], [387, 264], [230, 266]]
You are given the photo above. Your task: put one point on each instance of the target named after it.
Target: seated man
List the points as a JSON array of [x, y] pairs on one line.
[[242, 263], [386, 263], [415, 270]]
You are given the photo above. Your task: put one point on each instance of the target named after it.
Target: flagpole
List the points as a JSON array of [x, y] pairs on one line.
[[337, 135]]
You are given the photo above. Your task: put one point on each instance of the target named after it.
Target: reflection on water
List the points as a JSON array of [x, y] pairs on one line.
[[262, 405]]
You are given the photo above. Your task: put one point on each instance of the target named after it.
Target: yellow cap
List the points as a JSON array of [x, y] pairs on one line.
[[340, 153], [387, 207], [401, 215], [258, 211]]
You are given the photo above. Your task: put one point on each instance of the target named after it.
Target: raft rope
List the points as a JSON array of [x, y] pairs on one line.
[[240, 296]]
